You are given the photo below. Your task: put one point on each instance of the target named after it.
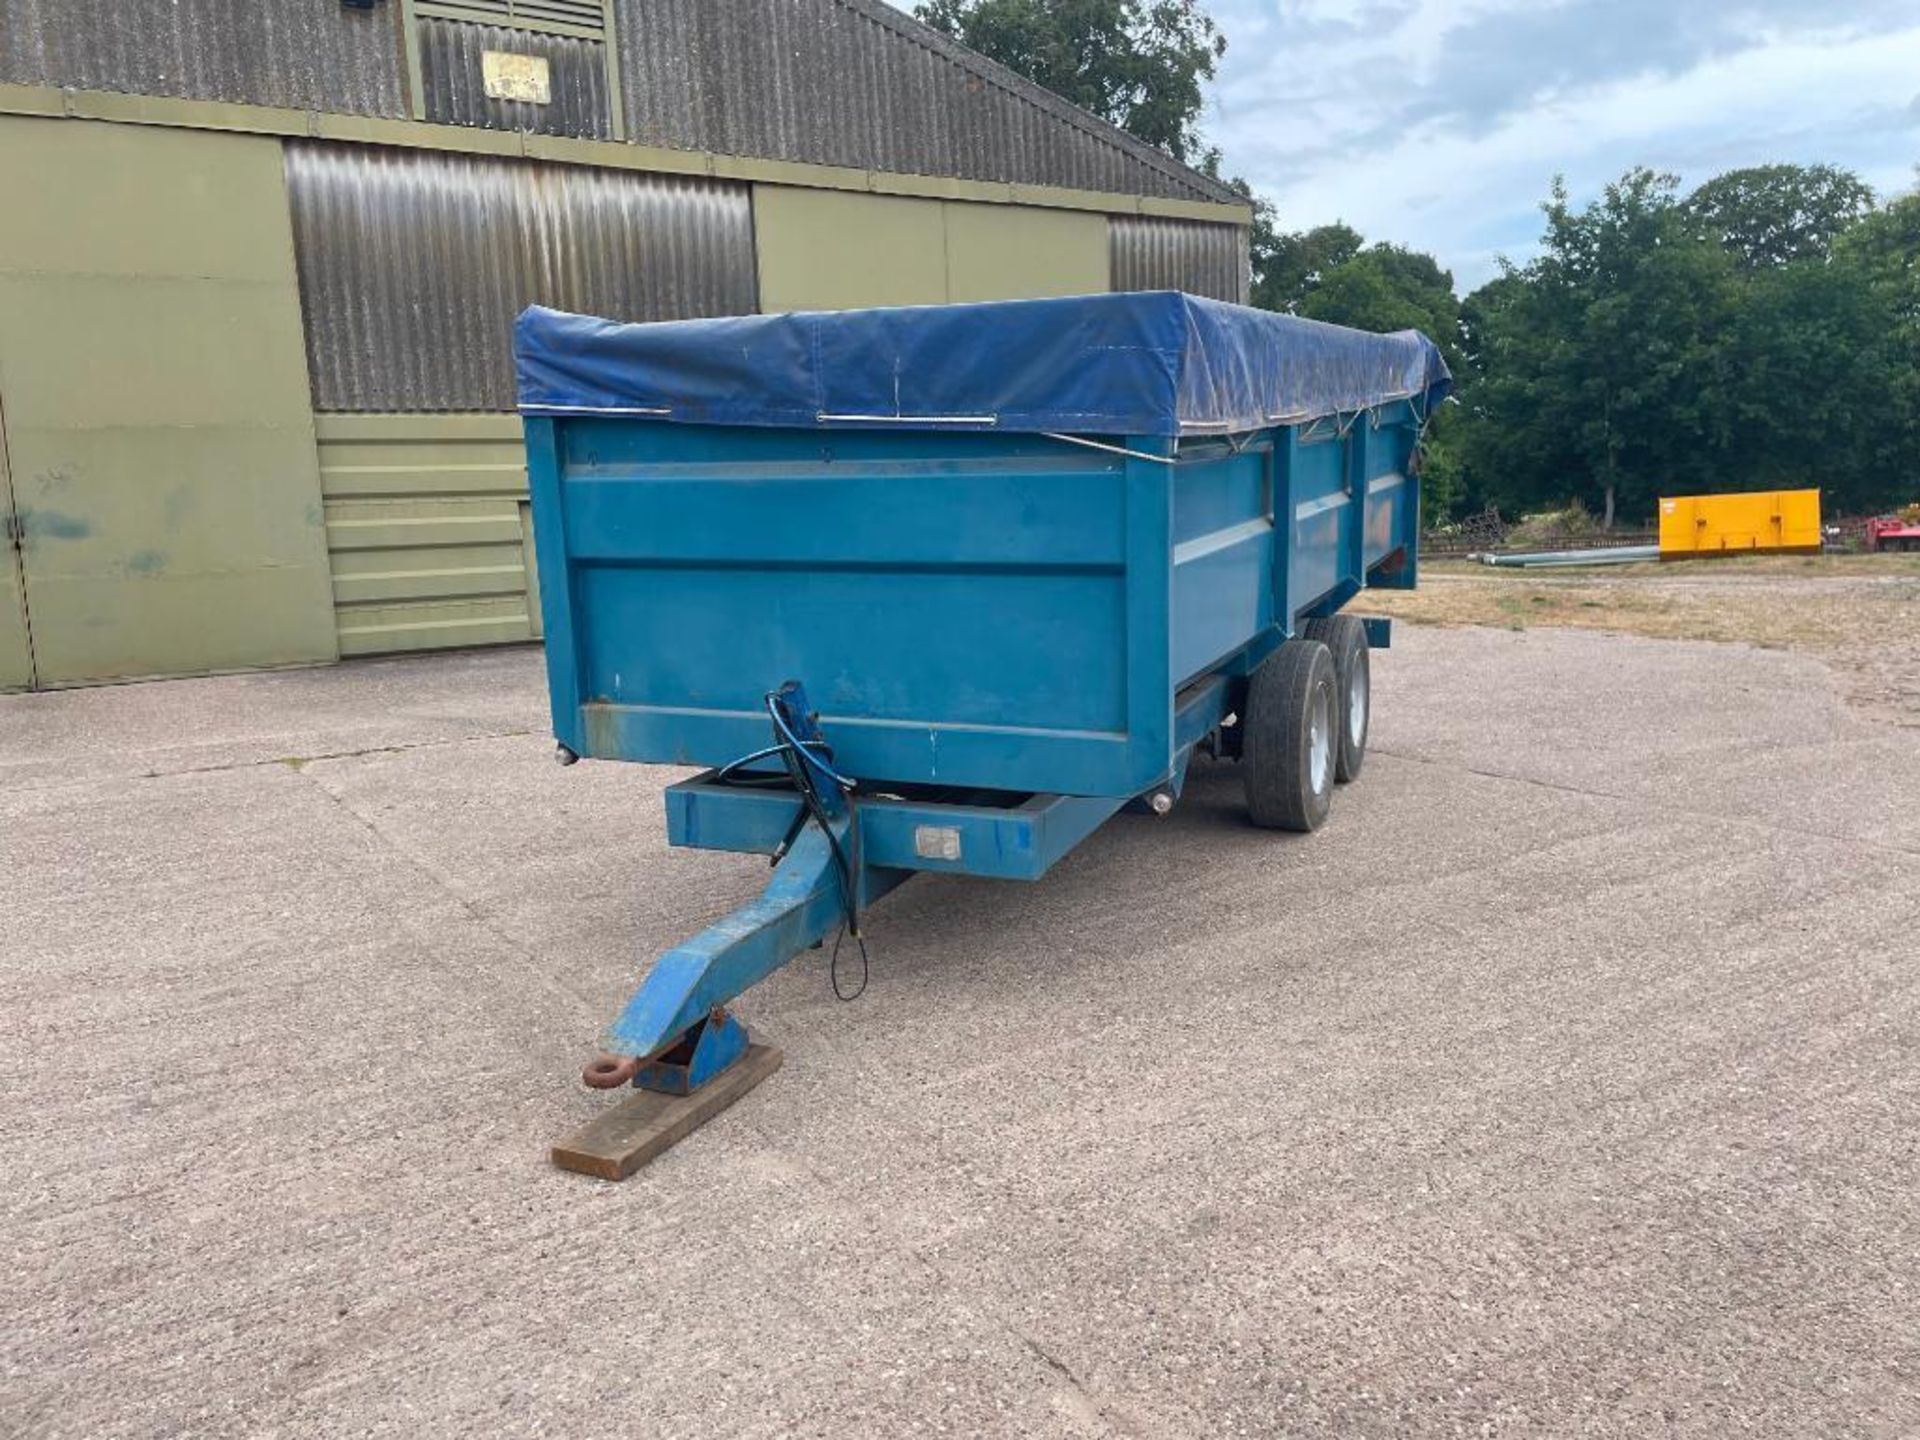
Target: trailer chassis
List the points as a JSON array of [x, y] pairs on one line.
[[676, 1033]]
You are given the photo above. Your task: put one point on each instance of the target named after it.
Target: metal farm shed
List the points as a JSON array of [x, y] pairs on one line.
[[258, 264]]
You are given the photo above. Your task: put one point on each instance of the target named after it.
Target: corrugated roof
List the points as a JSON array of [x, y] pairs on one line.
[[307, 56], [856, 82], [831, 82]]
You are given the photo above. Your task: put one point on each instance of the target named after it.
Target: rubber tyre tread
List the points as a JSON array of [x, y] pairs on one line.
[[1345, 637], [1278, 778]]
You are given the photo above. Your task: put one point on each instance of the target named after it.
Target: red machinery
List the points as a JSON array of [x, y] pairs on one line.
[[1895, 532]]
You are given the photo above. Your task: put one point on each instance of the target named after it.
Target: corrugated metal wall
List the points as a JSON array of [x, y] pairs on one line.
[[854, 82], [299, 54], [1192, 255], [450, 53], [413, 264]]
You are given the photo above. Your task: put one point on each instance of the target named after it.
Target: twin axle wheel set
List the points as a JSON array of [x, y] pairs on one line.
[[1303, 725]]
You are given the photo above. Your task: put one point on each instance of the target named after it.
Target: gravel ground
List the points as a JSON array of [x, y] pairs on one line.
[[1565, 1084], [1858, 613]]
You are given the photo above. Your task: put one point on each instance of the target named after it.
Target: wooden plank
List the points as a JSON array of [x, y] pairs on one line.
[[647, 1124]]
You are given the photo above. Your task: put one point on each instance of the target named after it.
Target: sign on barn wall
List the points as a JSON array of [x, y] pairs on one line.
[[516, 77]]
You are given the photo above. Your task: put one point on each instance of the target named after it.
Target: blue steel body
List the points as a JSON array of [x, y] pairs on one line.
[[1015, 634], [1003, 612]]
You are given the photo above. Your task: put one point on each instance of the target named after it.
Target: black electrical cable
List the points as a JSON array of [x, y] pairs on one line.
[[800, 757], [735, 772], [800, 819], [816, 806], [833, 967], [784, 732]]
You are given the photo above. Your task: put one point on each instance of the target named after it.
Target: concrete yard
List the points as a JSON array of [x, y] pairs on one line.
[[1567, 1083]]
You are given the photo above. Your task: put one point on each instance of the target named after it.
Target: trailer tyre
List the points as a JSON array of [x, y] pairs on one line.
[[1292, 739], [1346, 639]]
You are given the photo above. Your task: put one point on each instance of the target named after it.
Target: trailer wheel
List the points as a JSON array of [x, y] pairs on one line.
[[1346, 638], [1292, 739]]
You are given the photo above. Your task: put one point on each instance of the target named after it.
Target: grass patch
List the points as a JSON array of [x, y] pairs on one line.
[[1860, 613]]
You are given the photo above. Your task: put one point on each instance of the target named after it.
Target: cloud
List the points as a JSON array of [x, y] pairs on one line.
[[1505, 62], [1441, 123]]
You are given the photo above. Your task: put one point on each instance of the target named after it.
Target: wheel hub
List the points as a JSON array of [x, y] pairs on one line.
[[1320, 741]]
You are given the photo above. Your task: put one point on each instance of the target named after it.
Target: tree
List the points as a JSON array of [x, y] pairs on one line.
[[1776, 214], [1385, 288], [1762, 333], [1139, 64], [1882, 256], [1295, 264], [1806, 401], [1602, 367], [1331, 274]]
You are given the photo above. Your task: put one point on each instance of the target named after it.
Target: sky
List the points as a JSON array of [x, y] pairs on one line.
[[1440, 124]]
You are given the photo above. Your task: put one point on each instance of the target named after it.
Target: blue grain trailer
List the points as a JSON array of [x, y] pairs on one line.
[[942, 588]]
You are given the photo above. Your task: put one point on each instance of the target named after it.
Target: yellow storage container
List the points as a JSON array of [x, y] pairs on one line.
[[1759, 522]]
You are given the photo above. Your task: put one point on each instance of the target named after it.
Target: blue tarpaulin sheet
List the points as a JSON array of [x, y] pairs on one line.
[[1146, 363]]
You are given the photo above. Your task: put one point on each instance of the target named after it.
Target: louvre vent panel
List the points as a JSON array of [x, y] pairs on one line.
[[585, 18], [452, 60]]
